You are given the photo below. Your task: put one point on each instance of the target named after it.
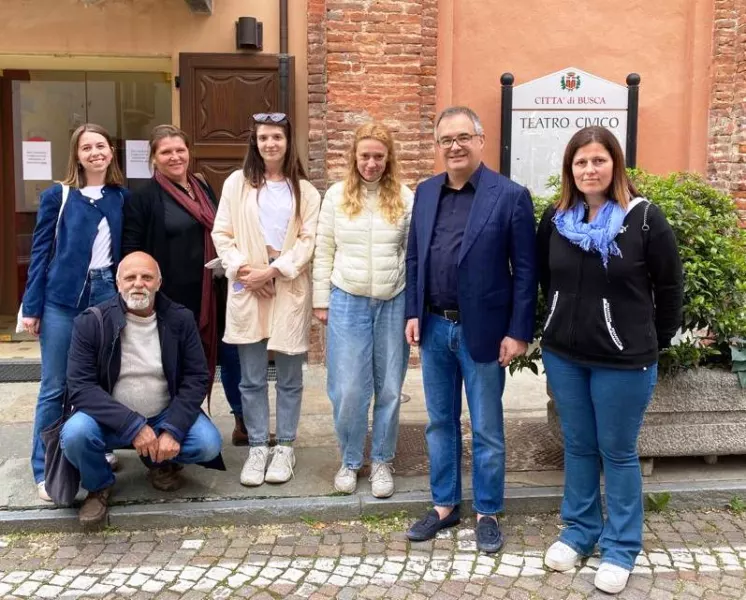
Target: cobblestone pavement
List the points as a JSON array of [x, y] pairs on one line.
[[687, 555]]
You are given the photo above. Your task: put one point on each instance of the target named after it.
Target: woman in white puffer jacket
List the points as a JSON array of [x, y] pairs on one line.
[[358, 291]]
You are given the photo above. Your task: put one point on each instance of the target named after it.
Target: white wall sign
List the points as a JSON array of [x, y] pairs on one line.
[[549, 110], [37, 161], [137, 153]]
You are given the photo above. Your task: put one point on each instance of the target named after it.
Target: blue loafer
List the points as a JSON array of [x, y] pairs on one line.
[[429, 525], [489, 537]]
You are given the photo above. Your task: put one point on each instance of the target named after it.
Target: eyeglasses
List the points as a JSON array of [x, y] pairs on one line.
[[277, 117], [462, 139]]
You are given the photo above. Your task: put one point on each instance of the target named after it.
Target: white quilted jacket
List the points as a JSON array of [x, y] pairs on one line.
[[365, 255]]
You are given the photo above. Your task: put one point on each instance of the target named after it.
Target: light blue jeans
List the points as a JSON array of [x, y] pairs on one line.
[[255, 393], [54, 339], [366, 356], [601, 411]]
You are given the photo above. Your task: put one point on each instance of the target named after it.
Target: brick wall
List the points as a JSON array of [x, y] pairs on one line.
[[370, 60], [726, 167]]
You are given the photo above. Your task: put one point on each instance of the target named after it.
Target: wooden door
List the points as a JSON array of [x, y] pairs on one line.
[[10, 293], [219, 93]]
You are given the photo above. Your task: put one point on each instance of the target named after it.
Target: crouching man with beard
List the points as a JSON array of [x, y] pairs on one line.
[[141, 385]]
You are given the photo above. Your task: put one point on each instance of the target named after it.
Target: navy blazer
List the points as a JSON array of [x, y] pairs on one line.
[[497, 281], [60, 255]]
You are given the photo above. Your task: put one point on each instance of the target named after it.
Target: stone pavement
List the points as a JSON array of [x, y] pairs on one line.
[[215, 498], [687, 555]]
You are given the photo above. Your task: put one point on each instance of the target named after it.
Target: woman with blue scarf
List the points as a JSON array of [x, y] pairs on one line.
[[610, 272]]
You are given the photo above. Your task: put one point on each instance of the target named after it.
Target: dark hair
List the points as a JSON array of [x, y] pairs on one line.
[[453, 111], [160, 133], [620, 190], [253, 164], [75, 174]]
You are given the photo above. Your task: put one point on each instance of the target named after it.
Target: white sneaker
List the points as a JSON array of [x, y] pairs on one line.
[[113, 460], [281, 468], [560, 557], [42, 491], [611, 578], [382, 480], [253, 469], [345, 480]]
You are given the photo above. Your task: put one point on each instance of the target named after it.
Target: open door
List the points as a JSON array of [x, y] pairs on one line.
[[219, 93]]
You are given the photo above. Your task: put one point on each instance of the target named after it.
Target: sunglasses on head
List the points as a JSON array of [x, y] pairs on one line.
[[277, 117]]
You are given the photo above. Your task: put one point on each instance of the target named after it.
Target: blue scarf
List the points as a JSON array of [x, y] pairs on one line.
[[597, 236]]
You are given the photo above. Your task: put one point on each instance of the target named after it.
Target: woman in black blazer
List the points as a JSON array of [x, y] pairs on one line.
[[171, 219]]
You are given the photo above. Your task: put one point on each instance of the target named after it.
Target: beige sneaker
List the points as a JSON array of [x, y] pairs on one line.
[[253, 469], [345, 481], [382, 480], [560, 557], [281, 468], [42, 491]]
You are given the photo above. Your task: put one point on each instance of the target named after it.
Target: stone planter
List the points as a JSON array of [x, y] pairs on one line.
[[701, 412]]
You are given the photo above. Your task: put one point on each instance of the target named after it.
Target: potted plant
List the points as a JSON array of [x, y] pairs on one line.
[[699, 406]]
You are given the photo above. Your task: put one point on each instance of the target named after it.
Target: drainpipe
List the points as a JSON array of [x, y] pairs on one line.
[[284, 58]]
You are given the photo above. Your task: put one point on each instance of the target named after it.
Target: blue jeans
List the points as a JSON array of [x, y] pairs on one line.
[[601, 411], [255, 393], [366, 355], [446, 364], [85, 443], [54, 338], [230, 376]]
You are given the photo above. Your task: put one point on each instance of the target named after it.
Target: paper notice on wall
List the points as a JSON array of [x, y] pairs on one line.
[[137, 159], [37, 161]]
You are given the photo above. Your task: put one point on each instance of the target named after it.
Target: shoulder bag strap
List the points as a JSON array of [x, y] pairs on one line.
[[645, 227], [65, 194]]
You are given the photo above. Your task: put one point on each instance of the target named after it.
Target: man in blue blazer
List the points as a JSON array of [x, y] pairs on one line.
[[470, 302]]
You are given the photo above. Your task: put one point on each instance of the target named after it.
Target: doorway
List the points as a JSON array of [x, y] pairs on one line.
[[41, 109]]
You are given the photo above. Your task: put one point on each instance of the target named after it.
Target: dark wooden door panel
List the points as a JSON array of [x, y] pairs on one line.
[[216, 171], [224, 100], [219, 93]]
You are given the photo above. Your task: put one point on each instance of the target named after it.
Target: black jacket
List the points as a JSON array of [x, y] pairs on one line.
[[620, 316], [144, 229], [91, 378]]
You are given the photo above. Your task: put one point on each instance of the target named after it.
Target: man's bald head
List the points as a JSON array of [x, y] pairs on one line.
[[138, 279]]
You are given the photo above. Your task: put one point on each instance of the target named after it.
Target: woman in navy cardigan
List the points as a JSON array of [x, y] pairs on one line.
[[74, 253]]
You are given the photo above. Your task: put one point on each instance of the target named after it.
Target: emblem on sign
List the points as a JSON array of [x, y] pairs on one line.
[[570, 81]]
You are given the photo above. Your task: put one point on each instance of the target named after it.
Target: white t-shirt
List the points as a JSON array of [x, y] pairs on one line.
[[101, 253], [275, 210]]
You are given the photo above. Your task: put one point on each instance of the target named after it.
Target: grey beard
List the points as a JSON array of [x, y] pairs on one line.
[[138, 302]]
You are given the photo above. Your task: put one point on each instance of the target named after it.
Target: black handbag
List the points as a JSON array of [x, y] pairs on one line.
[[61, 478]]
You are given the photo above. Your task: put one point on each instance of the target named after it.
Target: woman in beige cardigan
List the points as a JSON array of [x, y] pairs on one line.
[[264, 234], [358, 289]]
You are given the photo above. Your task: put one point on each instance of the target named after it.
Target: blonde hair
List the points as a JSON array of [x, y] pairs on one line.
[[75, 175], [389, 192]]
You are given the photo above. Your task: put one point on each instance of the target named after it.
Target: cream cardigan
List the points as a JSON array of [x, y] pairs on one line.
[[284, 319]]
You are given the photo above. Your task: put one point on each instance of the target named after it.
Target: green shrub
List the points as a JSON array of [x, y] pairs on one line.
[[713, 253]]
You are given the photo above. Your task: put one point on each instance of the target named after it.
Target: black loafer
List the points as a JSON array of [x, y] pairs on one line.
[[429, 525], [489, 537]]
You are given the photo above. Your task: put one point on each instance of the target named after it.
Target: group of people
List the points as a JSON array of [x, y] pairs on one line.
[[184, 283]]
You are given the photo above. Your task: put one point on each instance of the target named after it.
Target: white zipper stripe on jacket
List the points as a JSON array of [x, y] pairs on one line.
[[551, 309], [610, 326]]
